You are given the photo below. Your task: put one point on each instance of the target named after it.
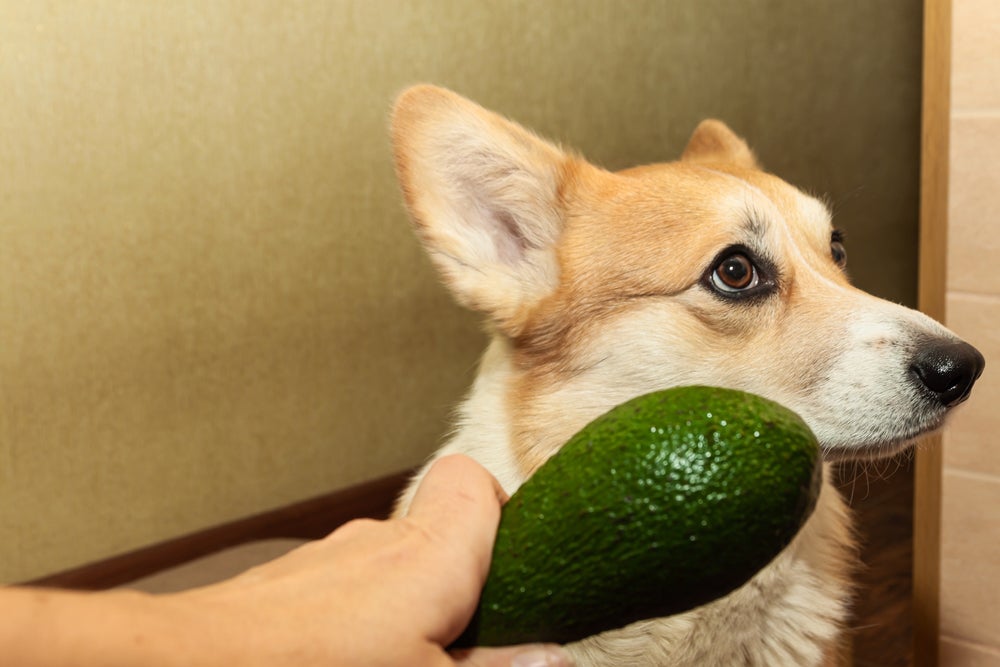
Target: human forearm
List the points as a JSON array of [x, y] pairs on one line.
[[43, 628], [373, 594]]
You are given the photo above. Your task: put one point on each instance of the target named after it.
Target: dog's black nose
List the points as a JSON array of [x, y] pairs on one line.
[[949, 370]]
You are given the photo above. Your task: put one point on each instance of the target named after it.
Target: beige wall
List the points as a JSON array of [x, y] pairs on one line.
[[210, 300], [970, 568]]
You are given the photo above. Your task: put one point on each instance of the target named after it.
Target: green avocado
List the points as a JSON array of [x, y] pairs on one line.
[[662, 504]]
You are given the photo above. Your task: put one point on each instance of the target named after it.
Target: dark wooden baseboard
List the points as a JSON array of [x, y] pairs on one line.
[[309, 519]]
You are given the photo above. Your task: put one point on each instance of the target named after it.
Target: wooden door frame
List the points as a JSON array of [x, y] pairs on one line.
[[935, 128]]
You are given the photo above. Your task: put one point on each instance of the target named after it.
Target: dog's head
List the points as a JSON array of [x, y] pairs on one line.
[[702, 271]]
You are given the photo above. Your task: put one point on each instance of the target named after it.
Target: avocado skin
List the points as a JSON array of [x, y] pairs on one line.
[[662, 504]]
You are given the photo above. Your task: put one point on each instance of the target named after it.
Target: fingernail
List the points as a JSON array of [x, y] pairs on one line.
[[542, 656]]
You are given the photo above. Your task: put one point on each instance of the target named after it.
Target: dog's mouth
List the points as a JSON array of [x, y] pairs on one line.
[[884, 447]]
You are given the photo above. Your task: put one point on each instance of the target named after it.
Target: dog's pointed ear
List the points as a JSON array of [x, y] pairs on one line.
[[483, 193], [713, 141]]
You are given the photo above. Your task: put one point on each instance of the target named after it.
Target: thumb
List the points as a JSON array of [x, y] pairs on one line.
[[527, 655]]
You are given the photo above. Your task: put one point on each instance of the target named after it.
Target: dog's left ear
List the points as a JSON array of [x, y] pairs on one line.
[[483, 193], [713, 141]]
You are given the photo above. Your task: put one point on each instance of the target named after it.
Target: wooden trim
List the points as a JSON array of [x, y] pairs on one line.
[[309, 519], [935, 128]]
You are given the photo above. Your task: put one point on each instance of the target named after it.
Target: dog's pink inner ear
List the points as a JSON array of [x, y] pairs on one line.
[[713, 141], [512, 243], [484, 194]]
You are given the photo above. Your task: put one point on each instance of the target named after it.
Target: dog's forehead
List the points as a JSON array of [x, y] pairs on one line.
[[665, 221], [801, 213], [769, 201], [681, 195]]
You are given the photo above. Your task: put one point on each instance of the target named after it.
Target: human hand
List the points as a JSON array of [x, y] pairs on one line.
[[375, 593]]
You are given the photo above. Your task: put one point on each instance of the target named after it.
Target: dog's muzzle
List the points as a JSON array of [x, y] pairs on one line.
[[948, 370]]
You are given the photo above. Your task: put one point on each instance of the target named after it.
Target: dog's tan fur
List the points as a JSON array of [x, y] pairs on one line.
[[594, 287]]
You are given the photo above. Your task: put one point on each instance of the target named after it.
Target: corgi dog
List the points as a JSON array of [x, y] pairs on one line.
[[598, 287]]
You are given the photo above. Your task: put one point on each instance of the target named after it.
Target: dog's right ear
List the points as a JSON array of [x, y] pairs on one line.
[[484, 195]]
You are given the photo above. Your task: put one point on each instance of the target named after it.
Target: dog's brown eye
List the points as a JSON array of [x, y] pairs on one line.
[[735, 273]]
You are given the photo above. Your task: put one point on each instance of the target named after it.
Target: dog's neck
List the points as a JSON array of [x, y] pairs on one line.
[[512, 424], [483, 429]]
